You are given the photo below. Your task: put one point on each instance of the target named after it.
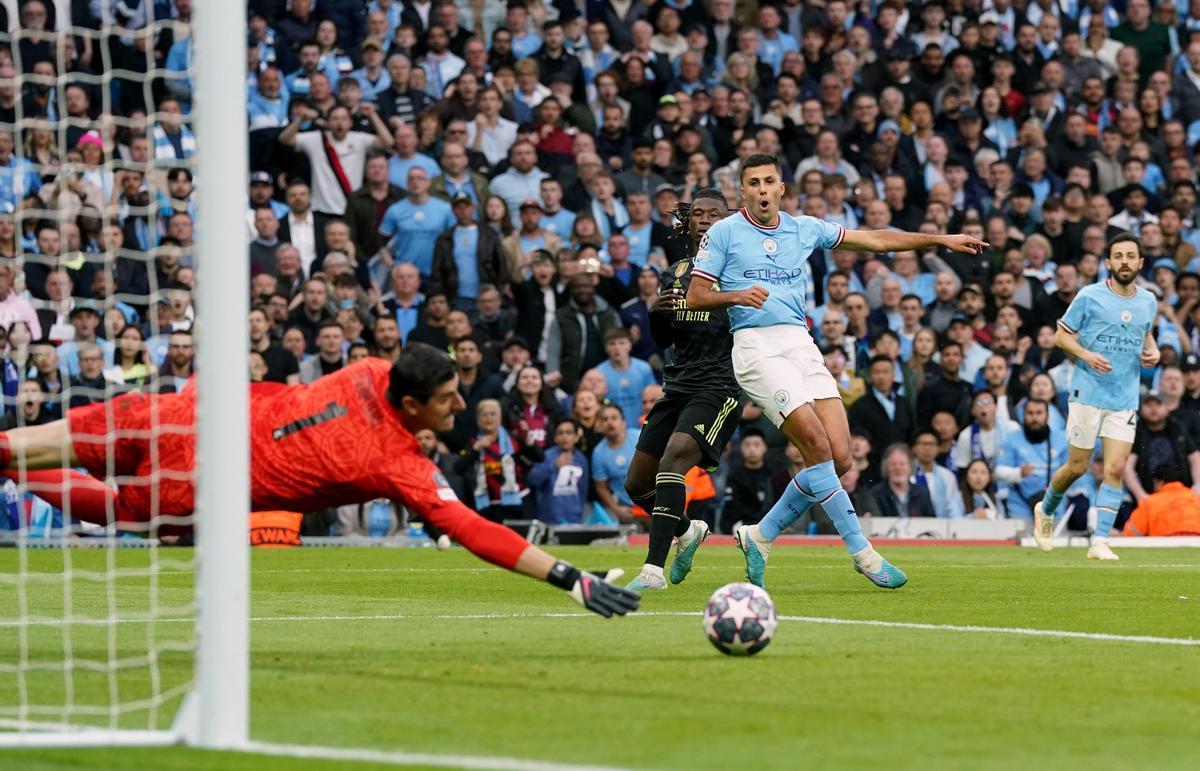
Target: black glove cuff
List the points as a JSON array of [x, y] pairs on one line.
[[563, 575]]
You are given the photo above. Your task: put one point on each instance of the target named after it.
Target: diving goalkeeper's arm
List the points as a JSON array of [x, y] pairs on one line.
[[503, 547]]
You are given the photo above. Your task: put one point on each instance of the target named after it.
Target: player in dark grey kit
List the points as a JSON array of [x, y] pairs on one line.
[[699, 409]]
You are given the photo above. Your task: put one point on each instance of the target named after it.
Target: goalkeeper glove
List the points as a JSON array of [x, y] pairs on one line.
[[596, 593]]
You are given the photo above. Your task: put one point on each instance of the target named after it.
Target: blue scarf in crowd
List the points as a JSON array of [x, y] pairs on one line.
[[510, 491]]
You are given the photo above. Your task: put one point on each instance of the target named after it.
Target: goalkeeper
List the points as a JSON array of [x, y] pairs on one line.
[[347, 438]]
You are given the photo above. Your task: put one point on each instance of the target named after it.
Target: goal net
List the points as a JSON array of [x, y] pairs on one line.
[[123, 269]]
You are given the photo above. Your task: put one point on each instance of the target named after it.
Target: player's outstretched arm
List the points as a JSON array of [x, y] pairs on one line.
[[899, 241], [702, 297], [501, 546]]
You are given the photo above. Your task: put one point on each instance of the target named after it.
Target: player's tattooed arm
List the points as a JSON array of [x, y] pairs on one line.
[[702, 297], [879, 241]]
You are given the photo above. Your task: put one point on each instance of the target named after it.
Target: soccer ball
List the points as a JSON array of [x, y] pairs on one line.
[[739, 619]]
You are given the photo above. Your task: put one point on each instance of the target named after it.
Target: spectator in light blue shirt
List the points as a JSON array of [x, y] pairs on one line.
[[610, 462], [524, 42], [267, 103], [17, 176], [373, 77], [411, 226], [773, 43], [179, 68], [407, 158], [300, 82], [626, 377]]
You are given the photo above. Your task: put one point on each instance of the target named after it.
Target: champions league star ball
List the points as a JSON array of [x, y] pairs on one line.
[[739, 619]]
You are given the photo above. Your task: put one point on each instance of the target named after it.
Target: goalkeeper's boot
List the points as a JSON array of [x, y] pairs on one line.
[[1043, 528], [1100, 550], [685, 548], [649, 579], [756, 549], [878, 571]]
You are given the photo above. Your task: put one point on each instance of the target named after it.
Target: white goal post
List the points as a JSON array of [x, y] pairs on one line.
[[214, 712]]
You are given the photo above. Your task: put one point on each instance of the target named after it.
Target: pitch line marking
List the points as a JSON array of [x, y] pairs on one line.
[[385, 757], [1187, 642]]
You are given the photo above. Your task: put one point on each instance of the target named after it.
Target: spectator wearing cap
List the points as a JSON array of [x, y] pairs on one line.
[[521, 244], [970, 139], [84, 318], [262, 188], [467, 257], [372, 76]]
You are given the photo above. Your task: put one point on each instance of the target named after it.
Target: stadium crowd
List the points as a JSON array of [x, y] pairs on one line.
[[500, 180]]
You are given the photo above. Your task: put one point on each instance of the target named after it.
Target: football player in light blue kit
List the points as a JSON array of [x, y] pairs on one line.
[[1108, 330], [757, 257]]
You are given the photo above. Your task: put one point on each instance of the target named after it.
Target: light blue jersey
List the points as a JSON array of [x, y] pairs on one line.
[[1115, 327], [738, 253]]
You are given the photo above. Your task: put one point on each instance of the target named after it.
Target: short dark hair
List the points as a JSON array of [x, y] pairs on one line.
[[1121, 238], [418, 371], [617, 333], [879, 357], [751, 433], [761, 159], [327, 324]]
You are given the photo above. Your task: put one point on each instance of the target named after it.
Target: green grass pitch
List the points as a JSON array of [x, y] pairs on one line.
[[395, 661]]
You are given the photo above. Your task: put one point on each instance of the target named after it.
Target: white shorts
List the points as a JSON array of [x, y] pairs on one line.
[[781, 368], [1085, 423]]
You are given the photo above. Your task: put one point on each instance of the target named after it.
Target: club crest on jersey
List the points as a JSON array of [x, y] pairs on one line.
[[1126, 316], [782, 397], [770, 245], [418, 215]]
